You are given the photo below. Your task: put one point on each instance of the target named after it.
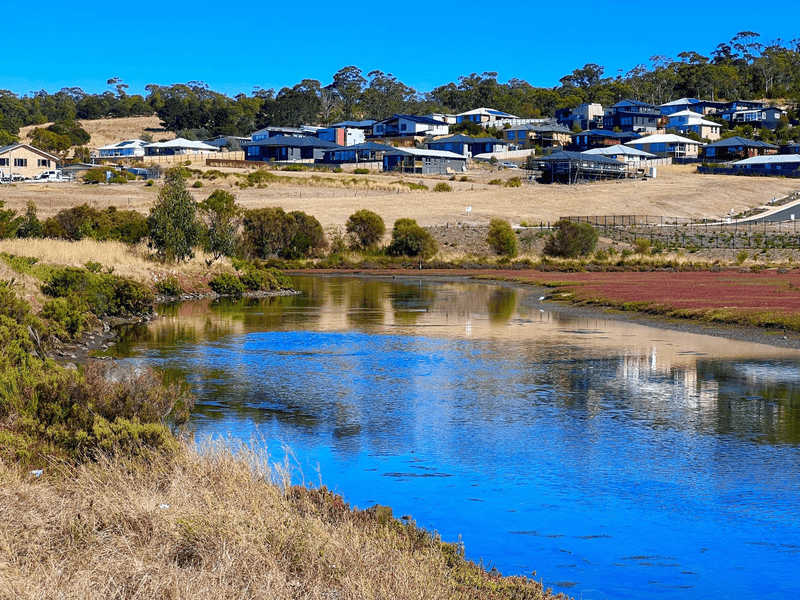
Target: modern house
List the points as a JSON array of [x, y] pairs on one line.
[[573, 167], [344, 136], [268, 132], [622, 153], [585, 116], [368, 152], [738, 148], [409, 126], [22, 161], [178, 146], [126, 149], [667, 145], [703, 107], [768, 117], [423, 162], [783, 165], [483, 116], [466, 145], [632, 115], [686, 120], [601, 138], [288, 148], [545, 136]]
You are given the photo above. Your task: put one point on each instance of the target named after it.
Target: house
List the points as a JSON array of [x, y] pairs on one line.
[[177, 146], [768, 117], [622, 153], [585, 116], [737, 148], [687, 120], [268, 132], [572, 167], [366, 125], [784, 165], [23, 161], [632, 115], [288, 148], [359, 153], [126, 149], [483, 115], [545, 136], [423, 162], [667, 145], [232, 142], [409, 125], [600, 138], [344, 136], [791, 149], [466, 145], [703, 107]]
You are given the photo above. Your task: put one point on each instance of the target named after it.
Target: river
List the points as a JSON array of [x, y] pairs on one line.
[[614, 459]]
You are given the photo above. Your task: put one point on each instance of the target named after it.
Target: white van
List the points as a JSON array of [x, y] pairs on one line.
[[53, 175]]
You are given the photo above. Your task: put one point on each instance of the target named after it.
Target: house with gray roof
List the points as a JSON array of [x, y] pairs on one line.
[[368, 152], [573, 167], [466, 145], [178, 146], [409, 126], [287, 148], [780, 165], [737, 148], [423, 162], [528, 135]]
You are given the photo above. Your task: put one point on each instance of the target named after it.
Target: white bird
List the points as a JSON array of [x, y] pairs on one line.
[[542, 298]]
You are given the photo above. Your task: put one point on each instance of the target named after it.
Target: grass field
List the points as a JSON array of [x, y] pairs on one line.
[[110, 131]]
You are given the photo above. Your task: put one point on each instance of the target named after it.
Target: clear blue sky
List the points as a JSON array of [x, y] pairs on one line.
[[236, 46]]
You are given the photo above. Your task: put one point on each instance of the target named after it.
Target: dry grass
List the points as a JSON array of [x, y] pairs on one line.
[[677, 191], [214, 523], [110, 131]]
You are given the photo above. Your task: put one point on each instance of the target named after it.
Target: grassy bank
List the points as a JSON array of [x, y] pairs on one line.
[[216, 522]]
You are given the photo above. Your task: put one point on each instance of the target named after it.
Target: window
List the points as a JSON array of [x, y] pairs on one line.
[[3, 162], [252, 150], [511, 135], [402, 127], [20, 162], [42, 162]]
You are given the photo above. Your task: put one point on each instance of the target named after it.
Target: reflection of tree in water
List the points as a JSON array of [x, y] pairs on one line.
[[501, 304], [365, 302], [758, 400], [411, 300]]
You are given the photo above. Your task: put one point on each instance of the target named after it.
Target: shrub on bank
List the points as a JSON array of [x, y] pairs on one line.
[[227, 284], [409, 239], [366, 228], [103, 294], [571, 240], [502, 238]]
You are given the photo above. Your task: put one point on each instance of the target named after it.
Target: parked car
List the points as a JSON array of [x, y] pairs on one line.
[[8, 176], [509, 165], [52, 175]]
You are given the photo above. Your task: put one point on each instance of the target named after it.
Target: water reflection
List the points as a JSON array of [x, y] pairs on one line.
[[619, 458]]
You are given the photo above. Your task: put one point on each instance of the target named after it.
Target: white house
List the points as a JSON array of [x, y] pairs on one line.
[[178, 146], [667, 145], [126, 149], [622, 153], [409, 125], [687, 120]]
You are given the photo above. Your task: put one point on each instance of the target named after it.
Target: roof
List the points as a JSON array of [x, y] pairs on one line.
[[540, 128], [682, 102], [421, 152], [465, 139], [664, 138], [415, 119], [125, 144], [487, 111], [296, 142], [12, 147], [578, 156], [629, 102], [609, 133], [183, 143], [356, 124], [773, 159], [619, 149], [737, 141], [366, 146], [266, 130]]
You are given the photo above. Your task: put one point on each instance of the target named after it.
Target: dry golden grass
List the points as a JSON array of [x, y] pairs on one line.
[[677, 191], [110, 131], [211, 523]]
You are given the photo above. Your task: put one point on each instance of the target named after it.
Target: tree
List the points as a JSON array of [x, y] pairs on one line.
[[48, 141], [409, 239], [502, 238], [267, 231], [221, 218], [9, 222], [571, 239], [172, 225], [366, 227], [30, 226], [309, 238], [349, 85]]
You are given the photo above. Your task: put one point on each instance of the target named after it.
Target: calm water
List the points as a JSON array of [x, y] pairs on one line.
[[616, 460]]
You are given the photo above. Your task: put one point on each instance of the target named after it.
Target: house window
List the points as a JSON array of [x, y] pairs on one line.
[[42, 162], [252, 150], [20, 162], [402, 127], [3, 162], [511, 135]]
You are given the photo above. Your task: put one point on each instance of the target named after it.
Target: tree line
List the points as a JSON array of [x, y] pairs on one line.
[[743, 68]]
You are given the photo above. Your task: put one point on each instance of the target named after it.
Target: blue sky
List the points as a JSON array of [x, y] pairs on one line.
[[235, 47]]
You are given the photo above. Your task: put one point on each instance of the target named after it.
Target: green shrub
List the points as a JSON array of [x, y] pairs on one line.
[[103, 294], [93, 267], [197, 184], [409, 239], [295, 168], [227, 284], [501, 238], [571, 240], [169, 287], [29, 225], [149, 183], [267, 231], [366, 227], [442, 187], [338, 170], [66, 318], [309, 238], [642, 245], [361, 171], [496, 182], [514, 182]]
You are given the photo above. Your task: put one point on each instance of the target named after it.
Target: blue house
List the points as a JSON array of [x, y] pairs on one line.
[[423, 162], [600, 138], [286, 148], [632, 115], [466, 145], [409, 125]]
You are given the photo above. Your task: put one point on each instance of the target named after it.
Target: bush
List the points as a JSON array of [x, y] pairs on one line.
[[83, 221], [227, 284], [442, 187], [103, 294], [149, 183], [308, 240], [409, 239], [197, 184], [295, 168], [496, 182], [169, 287], [514, 182], [267, 231], [361, 171], [66, 318], [502, 238], [571, 240], [642, 245], [366, 227], [30, 226]]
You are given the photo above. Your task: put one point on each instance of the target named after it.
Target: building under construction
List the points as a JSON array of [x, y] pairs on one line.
[[576, 167]]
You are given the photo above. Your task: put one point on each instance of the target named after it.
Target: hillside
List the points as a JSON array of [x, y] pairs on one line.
[[109, 131]]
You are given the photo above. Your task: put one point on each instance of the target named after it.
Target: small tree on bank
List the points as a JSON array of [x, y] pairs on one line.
[[570, 240], [221, 219], [502, 238], [366, 227], [172, 226], [409, 239]]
